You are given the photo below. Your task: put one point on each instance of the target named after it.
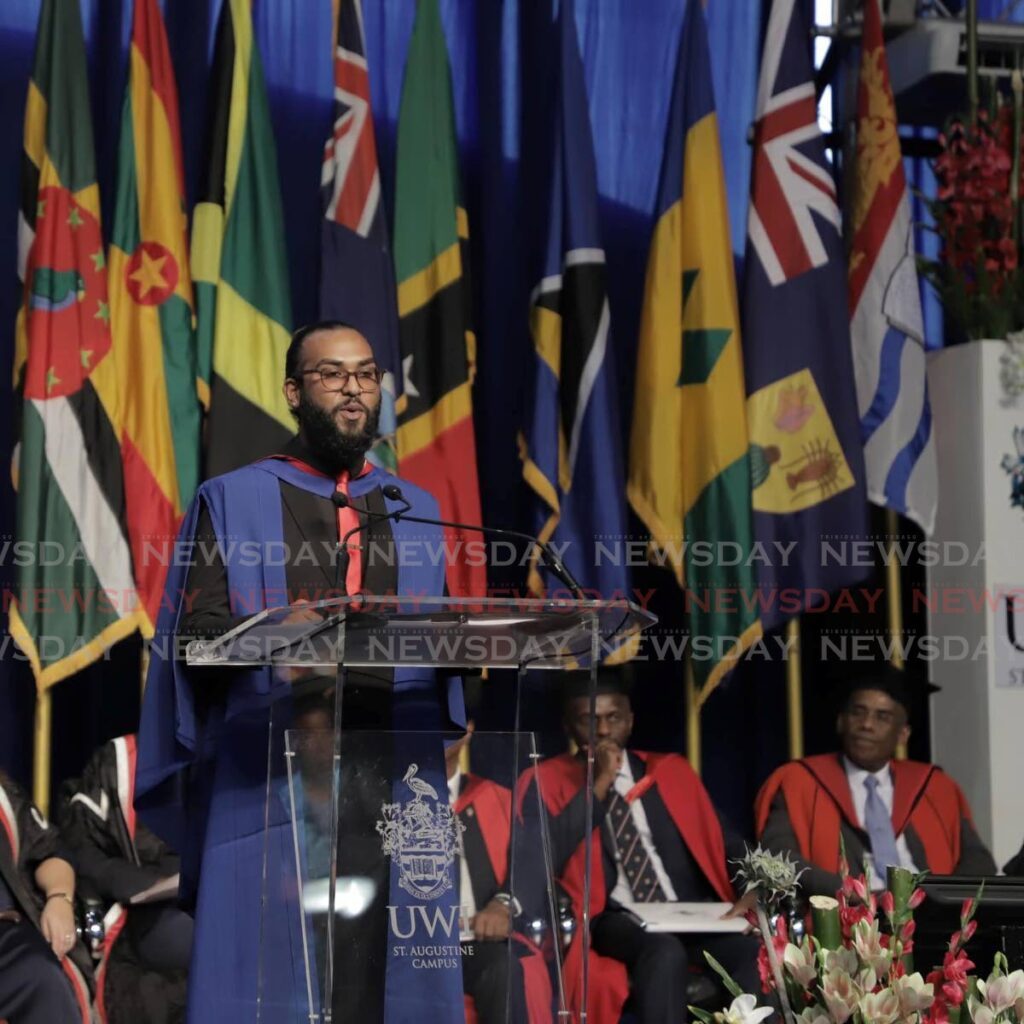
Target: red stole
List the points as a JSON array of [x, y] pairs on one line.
[[818, 800], [492, 806], [693, 814]]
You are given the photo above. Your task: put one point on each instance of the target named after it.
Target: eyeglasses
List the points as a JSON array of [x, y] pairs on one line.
[[334, 378]]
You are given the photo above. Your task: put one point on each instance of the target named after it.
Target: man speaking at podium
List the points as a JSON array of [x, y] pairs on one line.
[[203, 756]]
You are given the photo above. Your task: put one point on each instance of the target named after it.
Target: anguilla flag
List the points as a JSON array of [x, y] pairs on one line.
[[570, 443], [689, 470], [886, 327], [357, 280], [807, 462]]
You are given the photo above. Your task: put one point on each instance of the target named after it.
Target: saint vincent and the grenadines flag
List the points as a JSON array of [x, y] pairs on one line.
[[151, 311], [238, 259], [436, 445], [689, 470], [569, 443], [69, 476]]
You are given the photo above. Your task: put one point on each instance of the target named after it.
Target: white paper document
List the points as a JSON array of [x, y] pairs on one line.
[[687, 917]]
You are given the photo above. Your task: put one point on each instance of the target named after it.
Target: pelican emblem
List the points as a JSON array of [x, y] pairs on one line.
[[422, 836], [418, 786]]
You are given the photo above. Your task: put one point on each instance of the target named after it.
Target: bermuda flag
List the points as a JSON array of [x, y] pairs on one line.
[[886, 327]]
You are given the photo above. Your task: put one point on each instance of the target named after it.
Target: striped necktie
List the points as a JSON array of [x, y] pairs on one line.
[[633, 856]]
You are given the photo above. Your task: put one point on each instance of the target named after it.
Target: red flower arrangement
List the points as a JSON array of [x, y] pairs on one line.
[[976, 214]]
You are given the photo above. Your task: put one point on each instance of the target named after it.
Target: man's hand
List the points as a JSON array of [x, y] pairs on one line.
[[746, 903], [57, 924], [302, 611], [607, 762], [493, 923]]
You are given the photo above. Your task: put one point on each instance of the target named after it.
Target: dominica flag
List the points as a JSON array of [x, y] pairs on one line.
[[151, 311], [436, 444], [238, 259], [689, 469], [357, 276], [77, 596]]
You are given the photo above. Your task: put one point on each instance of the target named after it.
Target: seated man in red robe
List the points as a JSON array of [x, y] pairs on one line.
[[657, 837], [888, 812], [503, 974]]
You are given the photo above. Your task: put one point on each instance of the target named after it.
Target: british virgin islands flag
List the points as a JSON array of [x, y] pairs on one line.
[[570, 443], [806, 456], [689, 470]]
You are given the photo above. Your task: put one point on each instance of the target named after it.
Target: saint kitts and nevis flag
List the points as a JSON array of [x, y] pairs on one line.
[[357, 278], [886, 328], [689, 470], [76, 597], [151, 312], [238, 259], [807, 462], [436, 445], [569, 443]]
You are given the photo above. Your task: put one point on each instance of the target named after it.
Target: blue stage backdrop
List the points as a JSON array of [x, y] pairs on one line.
[[628, 50]]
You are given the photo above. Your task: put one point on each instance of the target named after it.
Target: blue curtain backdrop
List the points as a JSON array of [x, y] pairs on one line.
[[628, 50]]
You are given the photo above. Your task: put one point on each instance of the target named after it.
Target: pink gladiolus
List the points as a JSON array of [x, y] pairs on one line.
[[969, 929], [907, 931], [916, 899], [887, 903]]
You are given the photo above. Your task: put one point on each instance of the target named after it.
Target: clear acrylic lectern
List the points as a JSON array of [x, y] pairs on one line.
[[398, 885]]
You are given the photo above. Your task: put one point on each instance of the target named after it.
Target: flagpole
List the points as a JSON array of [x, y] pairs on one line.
[[41, 751], [794, 690], [692, 719], [894, 599]]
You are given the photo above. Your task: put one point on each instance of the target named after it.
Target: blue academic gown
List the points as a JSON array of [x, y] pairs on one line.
[[201, 781]]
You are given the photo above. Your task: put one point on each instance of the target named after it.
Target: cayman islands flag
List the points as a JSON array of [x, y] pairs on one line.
[[886, 326], [689, 470], [807, 462], [570, 444], [357, 279]]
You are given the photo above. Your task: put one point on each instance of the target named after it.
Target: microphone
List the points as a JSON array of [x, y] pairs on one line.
[[548, 559]]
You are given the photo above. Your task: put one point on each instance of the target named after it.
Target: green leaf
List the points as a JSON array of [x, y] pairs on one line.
[[733, 989], [702, 1015]]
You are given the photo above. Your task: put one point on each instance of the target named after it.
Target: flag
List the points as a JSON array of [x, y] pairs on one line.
[[807, 462], [151, 311], [570, 442], [357, 278], [76, 594], [238, 259], [689, 470], [436, 445], [886, 326]]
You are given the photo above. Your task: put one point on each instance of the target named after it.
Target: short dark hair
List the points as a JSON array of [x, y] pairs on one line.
[[294, 354], [884, 678], [617, 681]]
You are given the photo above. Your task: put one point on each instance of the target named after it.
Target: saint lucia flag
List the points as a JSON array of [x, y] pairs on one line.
[[570, 444], [689, 470], [887, 330]]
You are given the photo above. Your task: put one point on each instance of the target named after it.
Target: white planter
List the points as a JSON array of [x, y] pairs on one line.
[[977, 719]]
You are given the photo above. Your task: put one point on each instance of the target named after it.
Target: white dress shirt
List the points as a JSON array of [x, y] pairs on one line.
[[621, 893], [859, 792], [467, 905]]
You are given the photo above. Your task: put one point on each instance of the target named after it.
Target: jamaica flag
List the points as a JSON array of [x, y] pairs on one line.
[[238, 259]]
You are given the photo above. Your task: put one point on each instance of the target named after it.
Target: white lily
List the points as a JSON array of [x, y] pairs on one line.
[[1002, 992], [867, 942], [841, 996], [743, 1010], [914, 993], [880, 1007], [799, 962], [841, 961]]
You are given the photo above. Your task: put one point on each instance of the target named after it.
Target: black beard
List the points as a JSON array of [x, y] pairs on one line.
[[335, 450]]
